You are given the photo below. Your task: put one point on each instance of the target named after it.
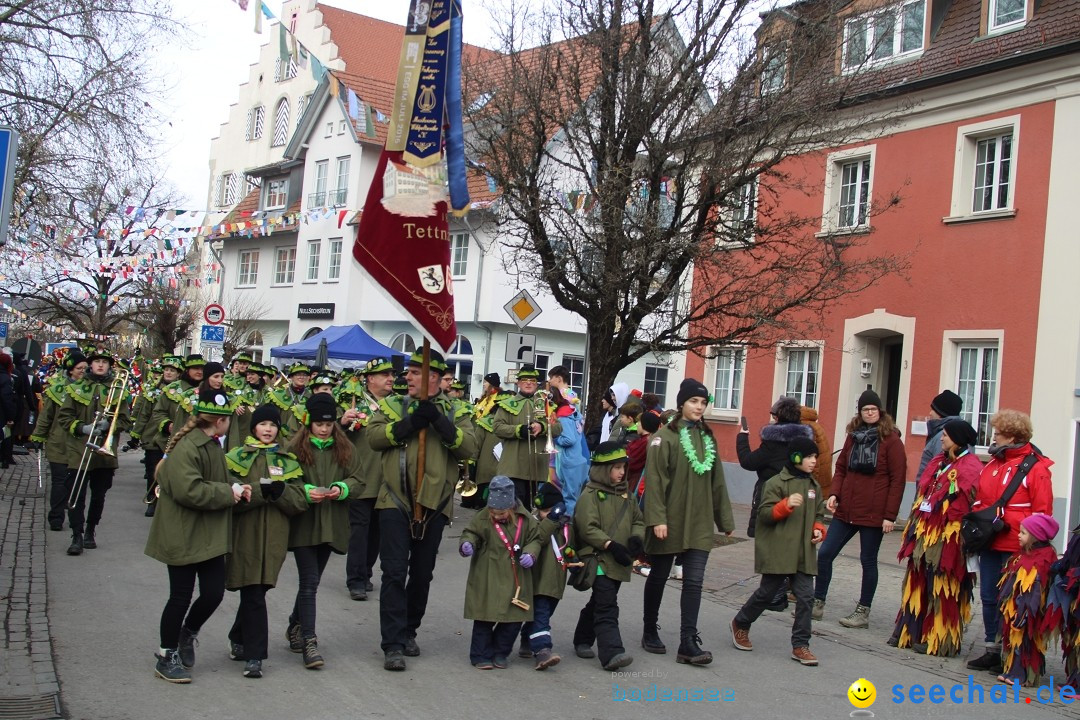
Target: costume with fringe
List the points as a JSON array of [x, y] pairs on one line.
[[1024, 584], [1062, 612], [937, 587]]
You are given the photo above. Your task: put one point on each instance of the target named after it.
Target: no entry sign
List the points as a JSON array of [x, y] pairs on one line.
[[214, 314]]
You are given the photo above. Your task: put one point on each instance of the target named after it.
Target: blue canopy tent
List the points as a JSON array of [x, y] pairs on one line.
[[345, 346]]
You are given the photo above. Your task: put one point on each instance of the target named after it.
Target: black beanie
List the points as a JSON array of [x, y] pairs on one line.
[[947, 404], [493, 379], [321, 408], [266, 412], [650, 421], [546, 496], [691, 388], [961, 432], [787, 410], [212, 368], [799, 448], [869, 397]]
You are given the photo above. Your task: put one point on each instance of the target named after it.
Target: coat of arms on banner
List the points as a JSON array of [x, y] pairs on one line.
[[432, 279]]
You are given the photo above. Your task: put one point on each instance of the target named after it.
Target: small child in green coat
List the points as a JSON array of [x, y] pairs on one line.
[[789, 529], [503, 542], [549, 574]]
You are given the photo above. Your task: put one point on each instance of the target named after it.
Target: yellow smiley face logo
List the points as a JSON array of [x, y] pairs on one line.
[[862, 693]]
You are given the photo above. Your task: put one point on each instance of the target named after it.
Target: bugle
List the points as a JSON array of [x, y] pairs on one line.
[[95, 443]]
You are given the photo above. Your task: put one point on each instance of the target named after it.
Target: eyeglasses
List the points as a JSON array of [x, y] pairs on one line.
[[871, 409]]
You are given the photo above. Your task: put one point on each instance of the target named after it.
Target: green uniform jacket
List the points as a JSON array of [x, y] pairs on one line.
[[784, 547], [260, 532], [293, 409], [142, 408], [84, 399], [193, 521], [240, 427], [486, 464], [549, 573], [169, 408], [522, 457], [594, 523], [47, 430], [440, 462], [370, 461], [688, 503], [327, 521], [491, 570]]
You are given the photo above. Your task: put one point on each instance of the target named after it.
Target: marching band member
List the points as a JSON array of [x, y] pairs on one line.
[[290, 399], [521, 423], [143, 431], [174, 405], [53, 435]]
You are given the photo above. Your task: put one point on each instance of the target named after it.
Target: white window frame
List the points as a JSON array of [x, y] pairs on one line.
[[834, 169], [285, 265], [953, 344], [774, 63], [333, 261], [406, 341], [569, 361], [301, 106], [256, 122], [961, 209], [313, 260], [871, 43], [783, 356], [317, 199], [247, 268], [736, 375], [341, 127], [993, 27], [276, 200], [291, 69], [544, 366], [459, 254], [329, 129], [656, 368], [741, 218], [340, 193]]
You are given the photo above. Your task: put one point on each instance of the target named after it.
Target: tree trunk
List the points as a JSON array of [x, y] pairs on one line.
[[603, 366]]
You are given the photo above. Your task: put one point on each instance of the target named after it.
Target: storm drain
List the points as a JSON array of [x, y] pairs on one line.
[[33, 707]]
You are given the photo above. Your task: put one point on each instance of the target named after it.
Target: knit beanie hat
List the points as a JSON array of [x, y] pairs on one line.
[[961, 432], [501, 493], [264, 413], [650, 421], [947, 404], [787, 410], [869, 397], [1042, 527], [547, 495], [213, 368], [321, 408], [493, 379], [690, 388], [801, 448]]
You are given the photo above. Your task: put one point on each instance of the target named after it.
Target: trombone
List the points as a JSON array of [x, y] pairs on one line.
[[95, 444]]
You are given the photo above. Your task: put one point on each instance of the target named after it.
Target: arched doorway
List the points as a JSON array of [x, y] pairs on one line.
[[460, 360], [312, 333], [403, 342]]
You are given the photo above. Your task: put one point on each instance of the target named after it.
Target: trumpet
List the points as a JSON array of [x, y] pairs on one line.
[[95, 444]]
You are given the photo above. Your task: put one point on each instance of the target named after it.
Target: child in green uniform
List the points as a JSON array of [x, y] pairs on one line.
[[260, 532], [332, 473], [609, 525], [789, 528], [191, 530], [503, 542], [549, 575]]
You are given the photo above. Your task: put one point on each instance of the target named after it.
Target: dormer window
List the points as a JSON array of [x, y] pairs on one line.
[[773, 70], [275, 194], [885, 35], [1006, 14]]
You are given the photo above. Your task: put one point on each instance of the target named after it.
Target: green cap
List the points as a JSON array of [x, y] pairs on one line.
[[609, 452], [528, 372], [377, 365], [298, 368], [172, 361], [243, 357], [194, 361], [213, 402], [435, 361]]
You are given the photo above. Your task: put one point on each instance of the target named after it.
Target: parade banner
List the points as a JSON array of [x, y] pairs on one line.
[[423, 145], [408, 257], [409, 62]]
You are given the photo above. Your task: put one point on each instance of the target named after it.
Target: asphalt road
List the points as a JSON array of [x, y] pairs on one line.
[[104, 609]]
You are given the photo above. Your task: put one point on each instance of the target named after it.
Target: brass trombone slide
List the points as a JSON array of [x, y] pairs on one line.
[[95, 444]]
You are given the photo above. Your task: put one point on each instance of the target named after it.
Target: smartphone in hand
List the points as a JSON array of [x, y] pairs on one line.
[[743, 424]]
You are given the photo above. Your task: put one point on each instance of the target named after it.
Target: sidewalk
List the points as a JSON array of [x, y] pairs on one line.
[[28, 684]]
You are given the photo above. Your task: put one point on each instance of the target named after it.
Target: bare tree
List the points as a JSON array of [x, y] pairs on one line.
[[169, 314], [638, 154], [242, 314]]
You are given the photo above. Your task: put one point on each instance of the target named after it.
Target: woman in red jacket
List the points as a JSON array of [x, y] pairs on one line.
[[864, 500], [1010, 445]]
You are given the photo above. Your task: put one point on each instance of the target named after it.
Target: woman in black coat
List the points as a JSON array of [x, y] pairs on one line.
[[8, 410]]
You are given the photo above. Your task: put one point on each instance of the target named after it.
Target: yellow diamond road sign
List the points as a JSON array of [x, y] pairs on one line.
[[522, 308]]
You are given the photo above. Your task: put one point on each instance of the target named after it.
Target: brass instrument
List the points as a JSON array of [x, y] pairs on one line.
[[109, 411], [466, 486], [549, 446], [153, 493]]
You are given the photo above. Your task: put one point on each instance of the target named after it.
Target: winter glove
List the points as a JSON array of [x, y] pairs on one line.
[[558, 512], [466, 549], [271, 490], [37, 445], [523, 432], [526, 561], [403, 429], [86, 429], [446, 429], [419, 421], [427, 410], [132, 444], [620, 553], [635, 546], [101, 426]]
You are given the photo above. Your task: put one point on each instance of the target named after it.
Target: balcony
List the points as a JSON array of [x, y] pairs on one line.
[[336, 198], [316, 200]]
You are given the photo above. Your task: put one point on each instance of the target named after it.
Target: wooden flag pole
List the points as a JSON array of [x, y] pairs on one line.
[[421, 443]]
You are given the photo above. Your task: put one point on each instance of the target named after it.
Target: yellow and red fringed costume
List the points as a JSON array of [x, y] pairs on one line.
[[937, 587], [1062, 614], [1024, 585]]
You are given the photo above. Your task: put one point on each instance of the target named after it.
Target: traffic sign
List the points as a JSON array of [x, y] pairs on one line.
[[522, 308], [3, 330], [9, 149], [520, 348], [214, 314], [213, 335]]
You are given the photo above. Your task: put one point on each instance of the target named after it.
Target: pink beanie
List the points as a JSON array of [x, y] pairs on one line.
[[1042, 527]]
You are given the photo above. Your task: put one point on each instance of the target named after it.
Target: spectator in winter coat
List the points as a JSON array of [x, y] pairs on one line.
[[1011, 444], [9, 409], [943, 408], [867, 488]]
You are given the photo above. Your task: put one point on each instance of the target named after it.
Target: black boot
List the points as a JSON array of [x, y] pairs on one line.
[[650, 640], [990, 660], [690, 651], [76, 546], [88, 540], [188, 640], [312, 658], [150, 510]]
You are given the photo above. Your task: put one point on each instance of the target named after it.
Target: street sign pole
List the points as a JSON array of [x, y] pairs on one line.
[[9, 150]]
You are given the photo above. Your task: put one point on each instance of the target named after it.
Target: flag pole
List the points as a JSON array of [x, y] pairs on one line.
[[421, 443]]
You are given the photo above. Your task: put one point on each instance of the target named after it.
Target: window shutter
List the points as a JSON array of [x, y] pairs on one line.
[[281, 123]]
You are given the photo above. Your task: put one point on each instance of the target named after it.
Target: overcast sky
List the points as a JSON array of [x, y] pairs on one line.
[[206, 73]]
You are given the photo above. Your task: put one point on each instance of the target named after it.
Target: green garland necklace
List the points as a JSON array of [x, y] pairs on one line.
[[698, 466]]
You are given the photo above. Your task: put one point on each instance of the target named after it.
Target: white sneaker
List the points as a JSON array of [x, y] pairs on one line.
[[676, 572]]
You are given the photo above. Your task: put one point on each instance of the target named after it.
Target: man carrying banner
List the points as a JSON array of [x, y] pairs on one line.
[[411, 432]]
